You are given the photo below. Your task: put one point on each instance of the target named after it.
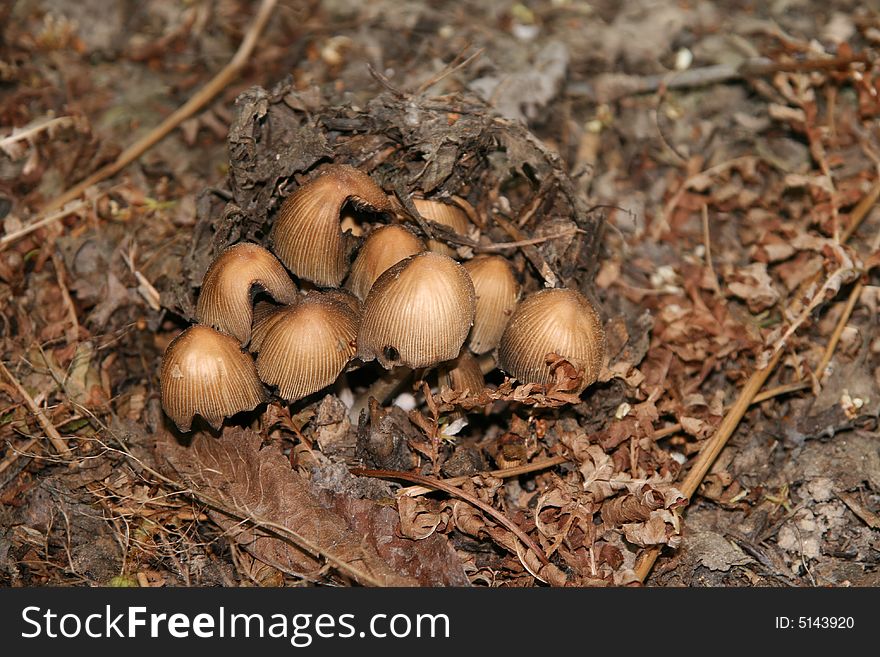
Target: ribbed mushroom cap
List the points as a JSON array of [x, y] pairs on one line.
[[345, 297], [307, 346], [447, 214], [383, 247], [559, 321], [462, 374], [225, 300], [307, 236], [265, 316], [204, 372], [418, 312], [497, 292]]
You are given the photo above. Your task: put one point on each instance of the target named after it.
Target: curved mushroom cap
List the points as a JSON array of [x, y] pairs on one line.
[[462, 374], [345, 297], [383, 247], [497, 292], [204, 372], [418, 312], [307, 346], [559, 321], [307, 236], [225, 300], [265, 316], [446, 214]]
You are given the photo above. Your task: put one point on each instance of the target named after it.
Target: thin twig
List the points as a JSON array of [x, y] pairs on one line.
[[707, 243], [61, 277], [45, 221], [457, 492], [783, 389], [868, 517], [856, 291], [609, 87], [501, 246], [193, 105], [17, 452], [29, 131], [449, 70], [51, 432], [861, 211], [504, 473], [534, 256], [838, 329]]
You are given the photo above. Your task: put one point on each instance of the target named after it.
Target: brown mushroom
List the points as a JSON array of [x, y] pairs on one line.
[[225, 299], [448, 214], [204, 372], [307, 345], [383, 247], [555, 321], [307, 236], [418, 312], [496, 291]]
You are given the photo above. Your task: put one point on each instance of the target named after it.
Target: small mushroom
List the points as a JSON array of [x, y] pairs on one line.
[[555, 321], [225, 300], [383, 247], [307, 345], [418, 312], [307, 236], [447, 214], [497, 292], [204, 372]]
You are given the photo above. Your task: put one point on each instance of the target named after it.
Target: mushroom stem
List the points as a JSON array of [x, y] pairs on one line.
[[487, 362], [381, 389]]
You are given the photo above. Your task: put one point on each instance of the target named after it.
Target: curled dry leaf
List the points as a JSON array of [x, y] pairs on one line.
[[753, 284], [632, 508], [662, 528], [417, 519]]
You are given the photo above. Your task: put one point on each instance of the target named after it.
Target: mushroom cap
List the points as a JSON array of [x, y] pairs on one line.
[[383, 247], [560, 321], [462, 374], [265, 316], [307, 345], [225, 300], [497, 292], [418, 312], [447, 214], [204, 372], [307, 236]]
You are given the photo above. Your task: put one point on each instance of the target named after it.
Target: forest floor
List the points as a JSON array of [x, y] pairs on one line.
[[731, 151]]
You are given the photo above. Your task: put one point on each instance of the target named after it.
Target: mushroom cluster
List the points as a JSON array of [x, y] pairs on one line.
[[403, 302]]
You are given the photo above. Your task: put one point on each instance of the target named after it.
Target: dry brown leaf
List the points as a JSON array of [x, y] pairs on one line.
[[417, 519], [259, 484], [753, 284], [431, 561]]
